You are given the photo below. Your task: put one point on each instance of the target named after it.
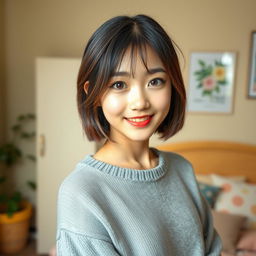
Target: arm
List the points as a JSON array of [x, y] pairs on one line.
[[212, 240]]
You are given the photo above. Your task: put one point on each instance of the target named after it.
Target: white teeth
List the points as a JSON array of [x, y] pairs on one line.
[[138, 119]]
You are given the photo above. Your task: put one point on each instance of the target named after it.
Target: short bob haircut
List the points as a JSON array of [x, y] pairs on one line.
[[102, 56]]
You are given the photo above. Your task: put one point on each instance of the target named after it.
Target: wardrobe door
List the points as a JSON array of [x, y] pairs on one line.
[[60, 141]]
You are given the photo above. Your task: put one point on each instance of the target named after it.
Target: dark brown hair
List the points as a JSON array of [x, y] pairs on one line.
[[102, 56]]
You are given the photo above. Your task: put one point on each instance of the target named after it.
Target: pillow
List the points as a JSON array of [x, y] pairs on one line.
[[209, 192], [207, 178], [228, 227], [236, 198], [247, 240]]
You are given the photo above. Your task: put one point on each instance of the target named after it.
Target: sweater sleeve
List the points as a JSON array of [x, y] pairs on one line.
[[72, 244], [212, 240], [81, 226]]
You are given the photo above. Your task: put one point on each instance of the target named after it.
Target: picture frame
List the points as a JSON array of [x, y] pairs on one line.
[[211, 82], [252, 68]]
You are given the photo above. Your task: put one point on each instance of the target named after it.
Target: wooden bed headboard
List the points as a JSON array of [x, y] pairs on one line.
[[219, 157]]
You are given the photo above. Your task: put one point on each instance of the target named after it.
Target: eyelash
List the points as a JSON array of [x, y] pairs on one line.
[[116, 83], [162, 81]]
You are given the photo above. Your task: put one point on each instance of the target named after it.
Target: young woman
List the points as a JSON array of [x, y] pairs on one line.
[[129, 199]]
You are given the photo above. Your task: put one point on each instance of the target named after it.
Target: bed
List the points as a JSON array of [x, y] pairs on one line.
[[226, 174]]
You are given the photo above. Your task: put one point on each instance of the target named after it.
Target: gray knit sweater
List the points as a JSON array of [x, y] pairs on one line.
[[108, 210]]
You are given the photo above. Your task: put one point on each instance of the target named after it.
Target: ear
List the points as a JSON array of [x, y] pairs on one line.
[[86, 87]]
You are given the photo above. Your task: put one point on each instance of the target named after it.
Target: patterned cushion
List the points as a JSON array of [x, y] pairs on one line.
[[236, 198], [209, 192]]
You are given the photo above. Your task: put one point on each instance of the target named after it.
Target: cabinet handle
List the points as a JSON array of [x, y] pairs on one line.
[[42, 145]]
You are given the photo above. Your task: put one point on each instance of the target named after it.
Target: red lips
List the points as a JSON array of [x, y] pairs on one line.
[[139, 121]]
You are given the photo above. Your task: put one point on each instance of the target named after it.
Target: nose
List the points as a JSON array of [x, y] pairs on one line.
[[138, 99]]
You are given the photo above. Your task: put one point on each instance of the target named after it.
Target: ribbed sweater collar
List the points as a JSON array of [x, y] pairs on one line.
[[127, 173]]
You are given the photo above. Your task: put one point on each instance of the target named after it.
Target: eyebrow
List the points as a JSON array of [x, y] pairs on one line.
[[149, 71]]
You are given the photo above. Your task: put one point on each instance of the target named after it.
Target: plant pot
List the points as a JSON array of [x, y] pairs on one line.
[[14, 230]]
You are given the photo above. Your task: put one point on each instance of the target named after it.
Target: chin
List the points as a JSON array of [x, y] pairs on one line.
[[139, 137]]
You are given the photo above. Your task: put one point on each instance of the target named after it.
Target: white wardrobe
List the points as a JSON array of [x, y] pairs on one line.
[[60, 141]]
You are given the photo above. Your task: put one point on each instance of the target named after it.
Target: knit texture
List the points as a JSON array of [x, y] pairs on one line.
[[109, 210]]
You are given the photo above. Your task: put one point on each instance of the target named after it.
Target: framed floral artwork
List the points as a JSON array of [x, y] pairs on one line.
[[211, 82], [252, 74]]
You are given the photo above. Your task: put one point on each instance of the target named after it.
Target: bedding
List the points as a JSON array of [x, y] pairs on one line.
[[228, 227], [210, 192], [236, 198]]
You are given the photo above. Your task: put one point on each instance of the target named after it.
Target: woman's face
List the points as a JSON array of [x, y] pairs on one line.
[[136, 104]]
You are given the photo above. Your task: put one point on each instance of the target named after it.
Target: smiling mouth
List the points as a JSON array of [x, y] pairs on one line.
[[140, 121]]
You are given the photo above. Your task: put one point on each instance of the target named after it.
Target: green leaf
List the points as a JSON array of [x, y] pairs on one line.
[[203, 75], [199, 72], [207, 93], [32, 185], [201, 63], [13, 204], [9, 154], [209, 69], [12, 207], [16, 196], [16, 127], [31, 116], [219, 63], [24, 135], [31, 157], [27, 135], [223, 82], [21, 117]]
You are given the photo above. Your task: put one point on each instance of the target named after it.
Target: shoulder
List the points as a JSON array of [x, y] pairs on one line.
[[79, 202], [179, 167], [81, 182], [81, 190], [176, 160], [182, 172]]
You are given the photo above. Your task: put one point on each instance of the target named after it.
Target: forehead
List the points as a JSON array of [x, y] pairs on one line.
[[138, 57]]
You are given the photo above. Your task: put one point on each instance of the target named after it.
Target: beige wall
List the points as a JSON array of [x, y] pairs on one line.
[[61, 28]]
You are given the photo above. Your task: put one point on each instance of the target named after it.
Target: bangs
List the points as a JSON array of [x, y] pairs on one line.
[[135, 44], [137, 50]]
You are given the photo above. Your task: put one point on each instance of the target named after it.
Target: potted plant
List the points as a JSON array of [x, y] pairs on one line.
[[15, 211]]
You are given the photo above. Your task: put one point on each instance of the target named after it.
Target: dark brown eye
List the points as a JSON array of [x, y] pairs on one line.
[[118, 85], [156, 82]]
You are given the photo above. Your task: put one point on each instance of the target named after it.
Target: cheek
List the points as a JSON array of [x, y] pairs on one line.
[[162, 101], [112, 105]]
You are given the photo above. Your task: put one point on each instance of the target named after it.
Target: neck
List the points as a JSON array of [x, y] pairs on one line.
[[134, 154]]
